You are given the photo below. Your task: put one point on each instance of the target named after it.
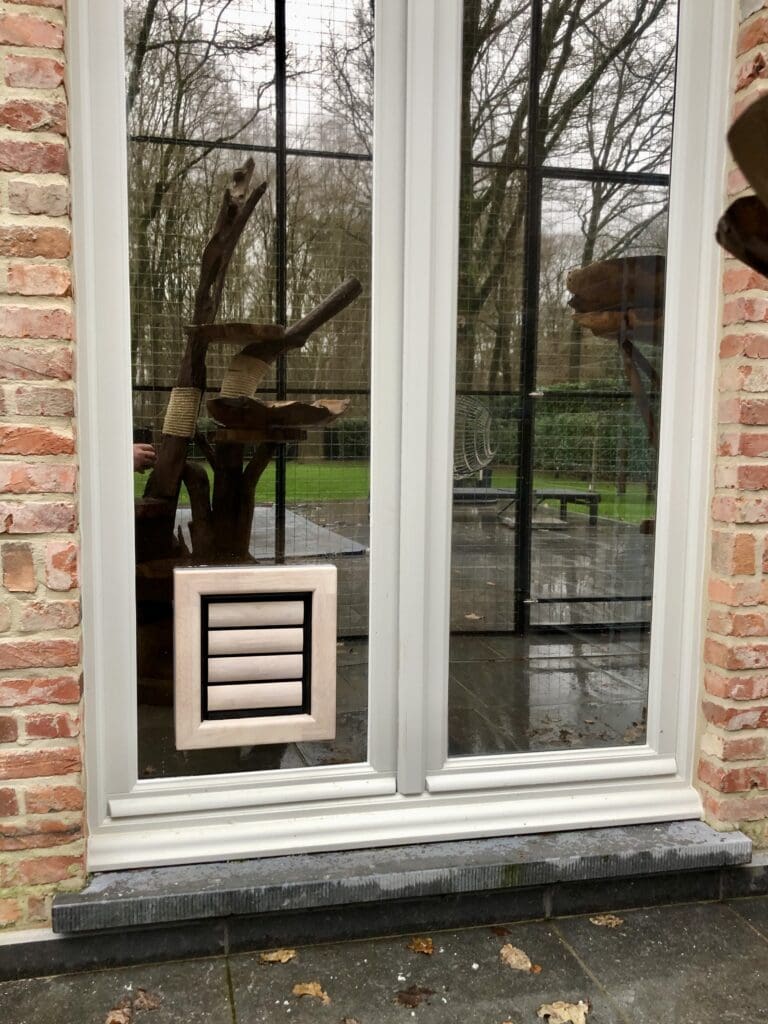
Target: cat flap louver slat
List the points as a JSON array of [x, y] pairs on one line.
[[255, 655]]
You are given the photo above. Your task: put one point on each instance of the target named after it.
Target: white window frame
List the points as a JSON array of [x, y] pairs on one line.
[[408, 790]]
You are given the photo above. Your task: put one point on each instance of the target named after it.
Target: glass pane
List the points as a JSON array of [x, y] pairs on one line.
[[203, 82], [556, 441]]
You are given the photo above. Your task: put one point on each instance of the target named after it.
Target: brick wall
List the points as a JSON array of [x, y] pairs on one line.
[[41, 800], [733, 769]]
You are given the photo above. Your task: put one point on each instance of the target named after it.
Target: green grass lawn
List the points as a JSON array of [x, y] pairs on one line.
[[349, 481]]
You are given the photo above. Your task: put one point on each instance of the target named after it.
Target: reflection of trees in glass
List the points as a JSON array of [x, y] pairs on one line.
[[606, 95], [200, 75]]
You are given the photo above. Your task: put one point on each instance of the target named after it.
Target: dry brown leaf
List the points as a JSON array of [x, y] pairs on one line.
[[277, 956], [421, 945], [564, 1013], [413, 996], [499, 929], [517, 959], [536, 969], [145, 1000], [313, 989], [123, 1015], [607, 920]]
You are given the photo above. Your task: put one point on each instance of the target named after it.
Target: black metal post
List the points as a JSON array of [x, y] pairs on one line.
[[529, 335], [281, 259]]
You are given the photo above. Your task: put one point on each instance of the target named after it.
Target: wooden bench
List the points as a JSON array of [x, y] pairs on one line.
[[565, 496]]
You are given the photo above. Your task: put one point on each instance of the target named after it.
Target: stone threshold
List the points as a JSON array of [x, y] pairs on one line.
[[151, 914]]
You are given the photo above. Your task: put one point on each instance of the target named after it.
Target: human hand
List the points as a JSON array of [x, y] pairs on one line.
[[144, 457]]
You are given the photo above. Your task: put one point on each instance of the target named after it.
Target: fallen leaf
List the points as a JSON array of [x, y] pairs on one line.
[[473, 616], [413, 996], [564, 1013], [607, 920], [120, 1016], [499, 929], [277, 956], [517, 959], [417, 945], [313, 989], [635, 732], [145, 1000]]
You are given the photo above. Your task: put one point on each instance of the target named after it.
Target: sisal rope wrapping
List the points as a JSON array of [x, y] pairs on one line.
[[244, 375], [181, 414]]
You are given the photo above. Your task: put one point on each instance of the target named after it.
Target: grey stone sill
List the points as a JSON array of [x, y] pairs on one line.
[[173, 895]]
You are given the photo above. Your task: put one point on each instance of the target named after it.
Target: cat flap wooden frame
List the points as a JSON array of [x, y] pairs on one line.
[[270, 691]]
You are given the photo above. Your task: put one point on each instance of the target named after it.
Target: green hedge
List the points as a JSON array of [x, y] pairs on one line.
[[599, 436]]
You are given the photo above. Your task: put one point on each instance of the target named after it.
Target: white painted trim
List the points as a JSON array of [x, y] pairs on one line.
[[102, 308], [386, 378], [429, 315], [397, 820]]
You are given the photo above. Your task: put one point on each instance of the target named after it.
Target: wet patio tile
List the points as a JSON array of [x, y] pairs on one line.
[[195, 991], [471, 734], [696, 964], [754, 909], [348, 747], [464, 980]]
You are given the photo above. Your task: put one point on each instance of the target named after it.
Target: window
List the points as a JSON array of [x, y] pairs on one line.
[[408, 780]]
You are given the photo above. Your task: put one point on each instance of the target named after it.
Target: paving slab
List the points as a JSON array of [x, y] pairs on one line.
[[694, 964], [195, 992], [463, 980], [754, 910]]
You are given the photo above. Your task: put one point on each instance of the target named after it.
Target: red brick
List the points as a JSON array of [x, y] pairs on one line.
[[38, 834], [45, 870], [728, 443], [752, 478], [47, 799], [39, 764], [24, 440], [738, 624], [750, 71], [10, 912], [738, 656], [29, 197], [738, 594], [29, 30], [37, 478], [61, 565], [25, 322], [735, 719], [38, 400], [33, 72], [39, 616], [9, 803], [37, 517], [754, 33], [729, 410], [731, 509], [733, 554], [735, 809], [754, 445], [9, 729], [736, 748], [735, 279], [38, 3], [734, 780], [752, 310], [20, 240], [18, 568], [753, 411], [25, 115], [751, 687], [25, 692], [36, 362], [33, 157], [39, 279], [756, 346], [52, 726], [17, 653], [38, 909]]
